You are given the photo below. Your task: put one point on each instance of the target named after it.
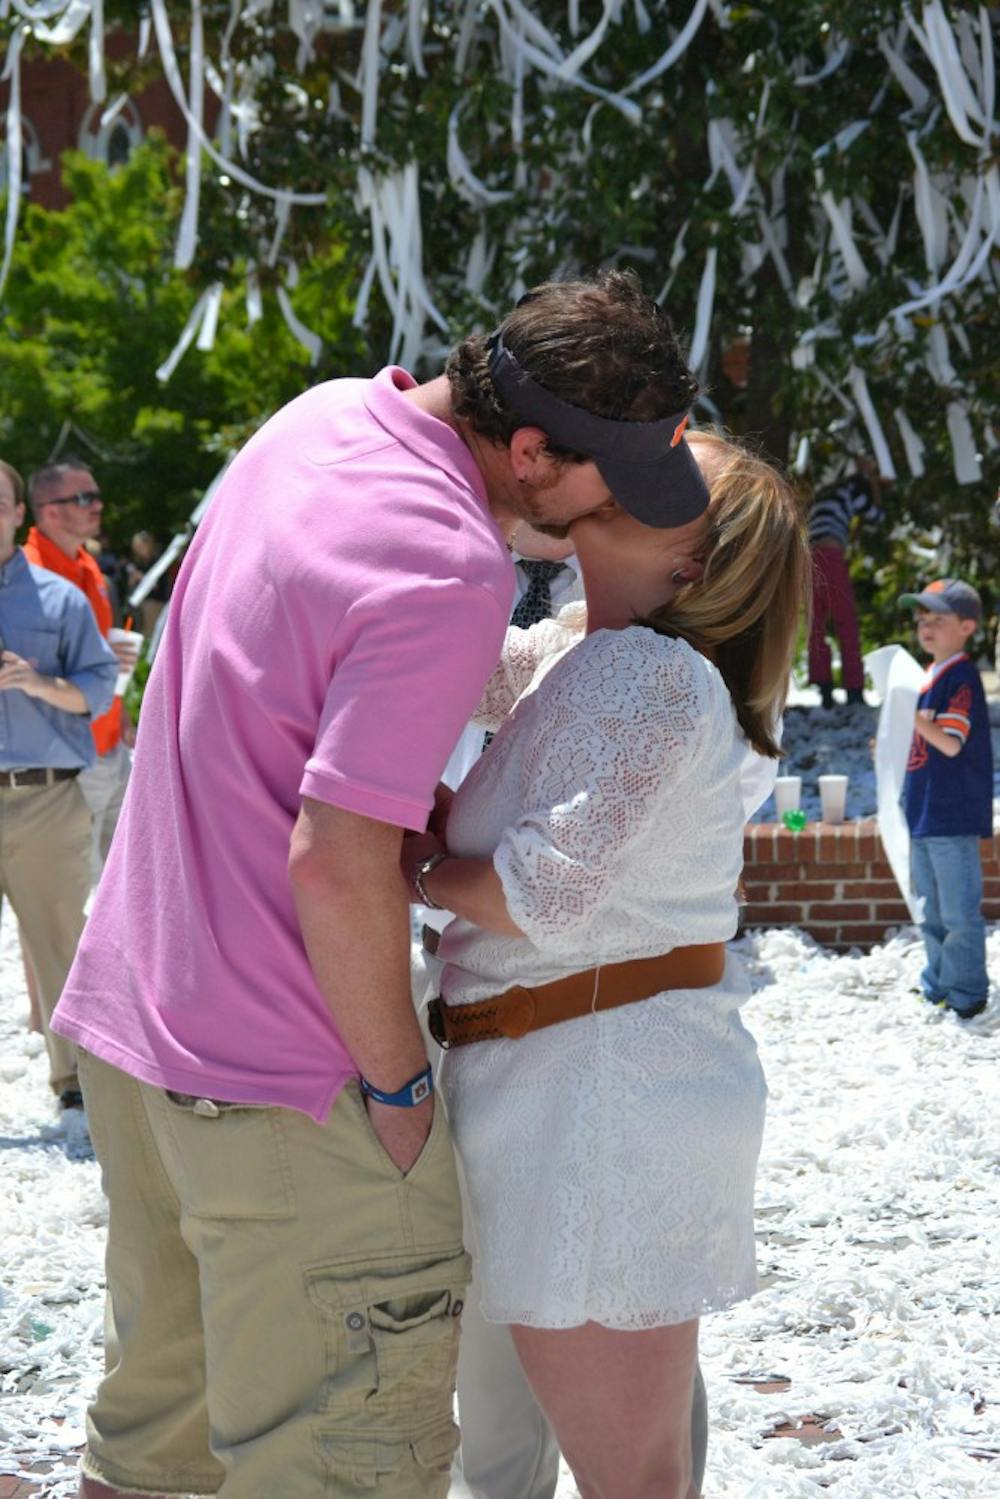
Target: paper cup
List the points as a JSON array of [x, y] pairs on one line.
[[125, 637], [787, 794], [833, 797]]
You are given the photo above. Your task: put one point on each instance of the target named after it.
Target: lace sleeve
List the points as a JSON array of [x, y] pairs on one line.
[[624, 716], [523, 652]]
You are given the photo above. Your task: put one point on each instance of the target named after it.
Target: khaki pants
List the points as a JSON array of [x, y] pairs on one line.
[[104, 785], [284, 1305], [45, 875]]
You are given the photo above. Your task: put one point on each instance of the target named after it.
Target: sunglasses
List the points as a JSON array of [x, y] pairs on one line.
[[84, 499]]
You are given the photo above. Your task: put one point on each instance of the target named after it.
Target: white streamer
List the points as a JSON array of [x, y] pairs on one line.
[[95, 54], [931, 209], [75, 16], [12, 75], [231, 168], [913, 446], [703, 315], [310, 341], [571, 65], [839, 216], [255, 304], [182, 345], [471, 187], [677, 48], [415, 36], [859, 389], [187, 237], [835, 56], [908, 81], [210, 317], [965, 459]]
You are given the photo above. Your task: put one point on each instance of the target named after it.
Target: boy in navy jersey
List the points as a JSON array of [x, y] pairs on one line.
[[948, 798]]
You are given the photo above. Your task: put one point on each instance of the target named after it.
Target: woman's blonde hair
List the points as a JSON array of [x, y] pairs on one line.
[[744, 611]]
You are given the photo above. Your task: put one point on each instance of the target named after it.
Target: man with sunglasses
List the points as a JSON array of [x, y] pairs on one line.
[[67, 507], [55, 673]]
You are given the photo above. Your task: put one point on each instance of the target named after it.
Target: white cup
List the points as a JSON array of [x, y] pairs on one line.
[[787, 794], [125, 637], [833, 797]]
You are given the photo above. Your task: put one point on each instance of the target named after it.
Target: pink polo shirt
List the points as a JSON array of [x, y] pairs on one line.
[[333, 624]]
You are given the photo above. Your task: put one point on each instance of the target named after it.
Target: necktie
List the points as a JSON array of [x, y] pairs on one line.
[[536, 601]]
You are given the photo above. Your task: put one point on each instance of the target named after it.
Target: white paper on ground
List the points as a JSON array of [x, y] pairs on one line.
[[897, 679]]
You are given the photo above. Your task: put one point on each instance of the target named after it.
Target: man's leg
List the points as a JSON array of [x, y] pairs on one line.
[[147, 1429], [46, 874], [820, 660], [509, 1450], [103, 786], [332, 1288], [963, 954], [845, 619], [924, 881]]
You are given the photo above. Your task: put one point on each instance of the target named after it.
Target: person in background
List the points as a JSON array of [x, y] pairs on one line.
[[144, 551], [56, 674], [67, 507], [948, 798], [833, 512]]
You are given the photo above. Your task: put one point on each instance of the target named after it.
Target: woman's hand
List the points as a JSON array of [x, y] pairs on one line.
[[416, 848]]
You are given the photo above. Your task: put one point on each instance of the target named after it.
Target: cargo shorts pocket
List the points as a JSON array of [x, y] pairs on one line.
[[400, 1469], [229, 1163], [392, 1342]]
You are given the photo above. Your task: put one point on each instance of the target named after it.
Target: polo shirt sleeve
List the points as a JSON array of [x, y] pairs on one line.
[[407, 680], [86, 659]]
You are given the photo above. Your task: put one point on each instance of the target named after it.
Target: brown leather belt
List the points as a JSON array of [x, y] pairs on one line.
[[45, 777], [519, 1010]]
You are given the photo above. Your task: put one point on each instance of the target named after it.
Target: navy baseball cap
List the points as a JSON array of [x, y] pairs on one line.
[[946, 596], [648, 467]]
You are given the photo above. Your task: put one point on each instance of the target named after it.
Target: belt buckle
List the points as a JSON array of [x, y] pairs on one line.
[[435, 1024], [519, 1004]]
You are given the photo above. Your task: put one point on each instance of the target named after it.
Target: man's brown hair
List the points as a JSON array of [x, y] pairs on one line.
[[602, 345], [17, 483]]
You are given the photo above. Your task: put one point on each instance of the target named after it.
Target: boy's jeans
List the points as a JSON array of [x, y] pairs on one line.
[[949, 876]]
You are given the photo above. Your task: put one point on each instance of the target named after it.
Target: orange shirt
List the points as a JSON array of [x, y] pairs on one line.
[[85, 573]]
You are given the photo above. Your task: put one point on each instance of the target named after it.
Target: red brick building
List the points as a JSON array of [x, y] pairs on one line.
[[57, 115]]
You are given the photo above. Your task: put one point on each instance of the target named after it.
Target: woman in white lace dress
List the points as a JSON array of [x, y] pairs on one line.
[[610, 1159]]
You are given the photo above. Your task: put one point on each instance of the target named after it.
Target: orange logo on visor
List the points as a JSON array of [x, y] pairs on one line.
[[679, 431]]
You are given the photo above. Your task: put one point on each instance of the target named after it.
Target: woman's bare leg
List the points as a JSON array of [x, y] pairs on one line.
[[620, 1404]]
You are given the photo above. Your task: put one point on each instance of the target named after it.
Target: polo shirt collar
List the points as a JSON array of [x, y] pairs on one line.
[[425, 435]]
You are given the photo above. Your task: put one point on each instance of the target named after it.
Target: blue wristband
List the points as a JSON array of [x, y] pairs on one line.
[[410, 1094]]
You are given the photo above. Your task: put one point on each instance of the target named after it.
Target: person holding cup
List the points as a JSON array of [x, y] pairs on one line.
[[67, 507]]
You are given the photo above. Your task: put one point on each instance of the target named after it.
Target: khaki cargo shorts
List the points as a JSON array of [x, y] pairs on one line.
[[283, 1304]]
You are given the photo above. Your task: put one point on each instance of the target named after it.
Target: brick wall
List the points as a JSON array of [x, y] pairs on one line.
[[834, 882]]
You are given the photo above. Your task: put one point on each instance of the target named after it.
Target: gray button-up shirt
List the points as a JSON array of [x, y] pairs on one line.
[[50, 623]]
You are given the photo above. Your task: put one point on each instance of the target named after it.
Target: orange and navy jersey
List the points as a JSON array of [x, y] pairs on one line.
[[952, 797]]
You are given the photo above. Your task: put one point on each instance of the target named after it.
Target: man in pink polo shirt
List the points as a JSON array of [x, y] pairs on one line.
[[285, 1260]]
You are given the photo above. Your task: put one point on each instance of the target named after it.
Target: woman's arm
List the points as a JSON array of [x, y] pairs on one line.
[[470, 888]]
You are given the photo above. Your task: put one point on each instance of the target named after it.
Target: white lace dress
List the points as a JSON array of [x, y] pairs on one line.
[[610, 1160]]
